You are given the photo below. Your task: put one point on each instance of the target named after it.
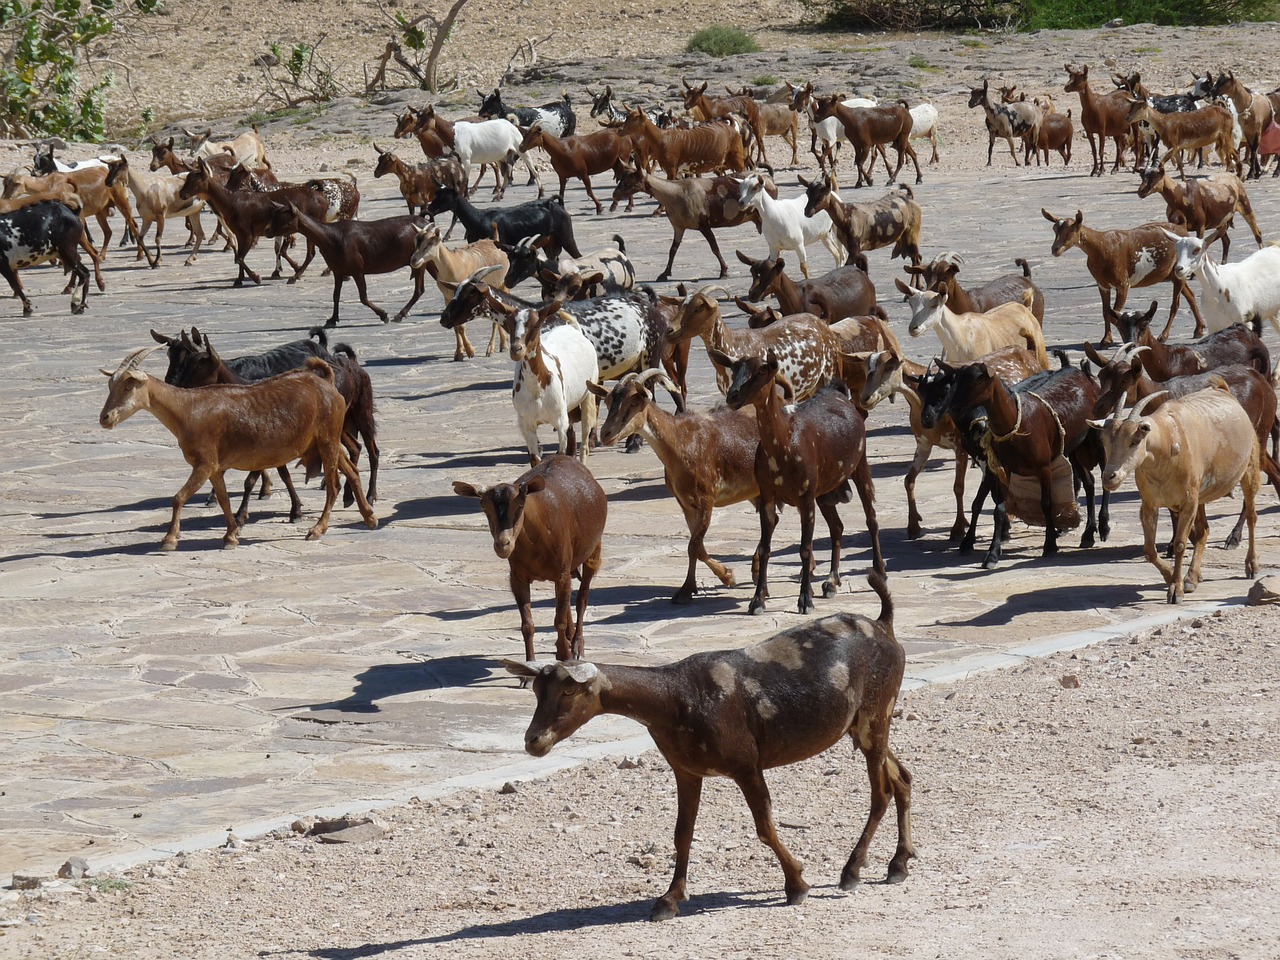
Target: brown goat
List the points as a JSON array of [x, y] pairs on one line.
[[1234, 344], [418, 182], [712, 147], [1189, 132], [1101, 117], [1202, 205], [893, 219], [843, 292], [704, 108], [708, 459], [1120, 259], [1256, 114], [547, 525], [809, 456], [942, 276], [255, 427], [353, 249], [737, 713], [868, 127], [580, 157]]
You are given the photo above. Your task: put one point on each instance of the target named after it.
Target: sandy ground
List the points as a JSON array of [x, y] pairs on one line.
[[1132, 816]]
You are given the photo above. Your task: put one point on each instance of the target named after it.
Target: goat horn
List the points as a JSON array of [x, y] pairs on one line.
[[131, 362], [707, 290], [484, 272], [1140, 407]]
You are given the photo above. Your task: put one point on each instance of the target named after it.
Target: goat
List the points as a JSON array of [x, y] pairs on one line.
[[844, 292], [193, 362], [556, 118], [867, 127], [354, 249], [547, 525], [740, 712], [1123, 380], [609, 113], [157, 199], [784, 223], [616, 270], [1233, 344], [1192, 451], [1244, 292], [708, 459], [702, 203], [580, 157], [809, 455], [1120, 259], [1183, 132], [942, 275], [1202, 205], [1032, 425], [779, 119], [43, 231], [889, 373], [704, 108], [967, 336], [807, 349], [450, 267], [1255, 112], [1101, 117], [829, 131], [893, 219], [537, 218], [714, 147], [1019, 119], [412, 123], [419, 182], [247, 148], [488, 141], [253, 427], [1056, 133]]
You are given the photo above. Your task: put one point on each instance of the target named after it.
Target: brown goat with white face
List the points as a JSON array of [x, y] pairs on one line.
[[738, 713], [253, 427], [548, 525]]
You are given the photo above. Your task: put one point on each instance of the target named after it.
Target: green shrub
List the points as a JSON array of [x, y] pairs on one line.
[[1030, 14], [1067, 14], [765, 80], [721, 42]]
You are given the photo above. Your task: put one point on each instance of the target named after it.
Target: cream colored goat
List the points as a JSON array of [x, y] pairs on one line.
[[968, 336]]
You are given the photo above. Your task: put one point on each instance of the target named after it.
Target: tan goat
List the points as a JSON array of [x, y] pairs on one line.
[[968, 336]]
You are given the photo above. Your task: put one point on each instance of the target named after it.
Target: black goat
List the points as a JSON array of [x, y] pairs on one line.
[[557, 117], [538, 218], [43, 231]]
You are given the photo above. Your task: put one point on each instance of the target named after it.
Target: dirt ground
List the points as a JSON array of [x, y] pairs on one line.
[[1131, 816]]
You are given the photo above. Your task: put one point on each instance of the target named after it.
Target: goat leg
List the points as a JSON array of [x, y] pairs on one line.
[[688, 797], [756, 791], [867, 494], [564, 618], [999, 514], [710, 236], [199, 474], [232, 537], [1046, 508], [768, 520], [15, 284], [419, 284], [590, 567], [836, 528], [520, 591], [807, 517]]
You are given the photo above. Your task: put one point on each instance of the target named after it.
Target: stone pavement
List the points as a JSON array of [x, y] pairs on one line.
[[154, 699]]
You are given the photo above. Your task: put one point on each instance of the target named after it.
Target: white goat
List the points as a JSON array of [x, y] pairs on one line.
[[968, 336], [783, 223], [551, 379], [924, 126], [157, 199], [1244, 292]]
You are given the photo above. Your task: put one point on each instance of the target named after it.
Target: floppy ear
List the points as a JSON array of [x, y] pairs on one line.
[[720, 357], [1048, 216], [525, 670], [534, 484], [597, 390], [464, 489]]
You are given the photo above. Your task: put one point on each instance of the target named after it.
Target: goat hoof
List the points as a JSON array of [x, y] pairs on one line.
[[830, 589], [167, 545], [896, 875], [805, 605], [756, 608], [1231, 543], [314, 534], [990, 563], [77, 310], [371, 522], [229, 542], [663, 909], [797, 896], [848, 883], [331, 323], [291, 280], [275, 274], [683, 597]]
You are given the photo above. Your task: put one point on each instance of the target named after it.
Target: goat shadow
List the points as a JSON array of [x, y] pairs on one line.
[[1082, 597], [554, 921], [385, 680]]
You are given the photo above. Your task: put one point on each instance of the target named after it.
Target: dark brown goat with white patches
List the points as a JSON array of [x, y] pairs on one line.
[[547, 525], [1202, 205], [893, 219], [870, 127], [737, 713]]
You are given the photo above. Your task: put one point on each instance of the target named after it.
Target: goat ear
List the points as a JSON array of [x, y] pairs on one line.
[[1092, 353], [720, 357], [905, 290], [160, 338], [596, 390], [744, 258], [534, 484], [682, 290], [1048, 216], [464, 489], [1097, 424], [1151, 311], [521, 669], [1079, 217], [595, 276]]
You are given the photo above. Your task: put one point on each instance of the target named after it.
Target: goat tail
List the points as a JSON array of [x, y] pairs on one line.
[[906, 188], [318, 334], [1064, 361], [320, 368], [622, 246], [880, 584], [345, 349], [879, 311], [1026, 267]]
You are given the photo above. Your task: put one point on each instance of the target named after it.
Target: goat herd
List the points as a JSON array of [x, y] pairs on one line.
[[1190, 422]]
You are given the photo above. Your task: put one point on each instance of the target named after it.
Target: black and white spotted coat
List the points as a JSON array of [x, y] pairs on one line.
[[556, 118], [37, 233]]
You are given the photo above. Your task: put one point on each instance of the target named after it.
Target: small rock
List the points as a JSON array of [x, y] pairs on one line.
[[159, 871], [1264, 591], [24, 881], [358, 833], [630, 763], [508, 787], [74, 869], [232, 842], [325, 168], [912, 716], [266, 60], [303, 825], [1070, 681]]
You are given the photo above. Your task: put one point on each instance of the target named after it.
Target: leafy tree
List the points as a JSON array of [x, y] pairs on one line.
[[45, 46]]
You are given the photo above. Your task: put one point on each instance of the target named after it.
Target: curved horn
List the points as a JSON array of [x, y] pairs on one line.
[[483, 272], [131, 362], [707, 289], [1140, 407]]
